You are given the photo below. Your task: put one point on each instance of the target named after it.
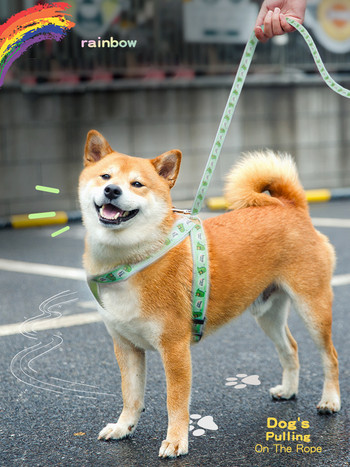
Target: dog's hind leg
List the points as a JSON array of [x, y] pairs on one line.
[[271, 312], [316, 311], [132, 366]]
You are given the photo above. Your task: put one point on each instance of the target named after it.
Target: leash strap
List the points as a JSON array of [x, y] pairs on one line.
[[318, 61], [226, 118], [235, 92]]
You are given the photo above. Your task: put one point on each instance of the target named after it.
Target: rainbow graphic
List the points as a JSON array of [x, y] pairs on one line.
[[28, 27]]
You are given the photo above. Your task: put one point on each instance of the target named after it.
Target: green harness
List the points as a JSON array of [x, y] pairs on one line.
[[192, 225], [200, 283]]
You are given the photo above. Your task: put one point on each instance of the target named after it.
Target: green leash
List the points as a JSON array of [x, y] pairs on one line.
[[318, 61], [226, 118], [192, 225]]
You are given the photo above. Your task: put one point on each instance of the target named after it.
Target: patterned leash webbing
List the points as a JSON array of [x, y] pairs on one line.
[[318, 61], [233, 99], [226, 118]]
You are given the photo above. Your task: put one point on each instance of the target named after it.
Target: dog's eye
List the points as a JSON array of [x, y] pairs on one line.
[[105, 176], [137, 184]]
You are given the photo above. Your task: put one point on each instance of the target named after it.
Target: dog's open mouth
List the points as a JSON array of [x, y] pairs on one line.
[[110, 214]]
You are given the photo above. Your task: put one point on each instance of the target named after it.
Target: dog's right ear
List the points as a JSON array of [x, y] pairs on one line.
[[96, 147]]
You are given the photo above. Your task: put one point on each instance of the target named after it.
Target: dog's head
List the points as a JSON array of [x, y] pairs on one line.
[[125, 195]]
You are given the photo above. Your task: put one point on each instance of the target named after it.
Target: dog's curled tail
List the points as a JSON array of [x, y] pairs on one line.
[[261, 172]]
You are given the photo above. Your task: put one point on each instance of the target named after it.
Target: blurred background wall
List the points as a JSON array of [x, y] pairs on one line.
[[169, 91]]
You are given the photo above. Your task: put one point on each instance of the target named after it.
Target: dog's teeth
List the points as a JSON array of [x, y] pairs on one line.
[[106, 212]]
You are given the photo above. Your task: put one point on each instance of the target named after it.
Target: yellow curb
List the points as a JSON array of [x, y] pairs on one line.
[[20, 221], [217, 203], [313, 196], [318, 196]]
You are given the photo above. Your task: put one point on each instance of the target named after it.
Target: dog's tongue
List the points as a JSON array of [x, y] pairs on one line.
[[109, 211]]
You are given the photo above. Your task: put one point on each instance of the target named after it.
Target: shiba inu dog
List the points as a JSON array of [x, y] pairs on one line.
[[264, 254]]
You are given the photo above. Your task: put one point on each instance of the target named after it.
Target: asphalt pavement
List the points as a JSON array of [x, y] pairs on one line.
[[60, 383]]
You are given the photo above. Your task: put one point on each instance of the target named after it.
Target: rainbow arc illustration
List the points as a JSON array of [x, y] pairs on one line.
[[28, 27]]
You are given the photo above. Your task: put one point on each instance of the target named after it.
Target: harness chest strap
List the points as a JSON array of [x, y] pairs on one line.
[[200, 282]]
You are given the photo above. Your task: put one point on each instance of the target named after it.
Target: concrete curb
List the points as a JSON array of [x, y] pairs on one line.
[[312, 196]]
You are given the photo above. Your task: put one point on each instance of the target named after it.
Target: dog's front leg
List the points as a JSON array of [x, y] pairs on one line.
[[132, 365], [176, 358]]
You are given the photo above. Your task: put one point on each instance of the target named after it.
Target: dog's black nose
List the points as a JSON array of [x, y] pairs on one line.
[[112, 191]]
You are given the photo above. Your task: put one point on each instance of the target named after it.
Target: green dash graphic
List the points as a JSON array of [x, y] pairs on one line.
[[42, 215], [48, 189], [59, 232]]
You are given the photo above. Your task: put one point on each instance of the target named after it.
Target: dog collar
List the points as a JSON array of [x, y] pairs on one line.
[[200, 278]]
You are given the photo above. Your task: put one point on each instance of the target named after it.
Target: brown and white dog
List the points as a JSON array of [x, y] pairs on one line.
[[264, 254]]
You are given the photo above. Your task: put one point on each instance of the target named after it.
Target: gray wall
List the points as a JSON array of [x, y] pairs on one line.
[[42, 135]]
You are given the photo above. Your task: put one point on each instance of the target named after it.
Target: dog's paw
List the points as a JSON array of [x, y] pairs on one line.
[[329, 405], [116, 431], [281, 393], [173, 449]]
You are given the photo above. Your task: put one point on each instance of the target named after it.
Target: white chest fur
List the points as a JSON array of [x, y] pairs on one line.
[[122, 315]]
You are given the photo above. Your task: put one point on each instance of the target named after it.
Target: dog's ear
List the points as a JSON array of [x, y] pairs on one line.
[[168, 165], [96, 147]]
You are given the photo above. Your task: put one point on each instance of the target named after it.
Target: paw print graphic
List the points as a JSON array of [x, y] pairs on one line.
[[205, 423], [252, 380]]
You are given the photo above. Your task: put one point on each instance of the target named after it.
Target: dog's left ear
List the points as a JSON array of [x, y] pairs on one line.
[[168, 165]]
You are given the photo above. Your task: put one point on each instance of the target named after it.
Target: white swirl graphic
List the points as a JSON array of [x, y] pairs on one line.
[[21, 365]]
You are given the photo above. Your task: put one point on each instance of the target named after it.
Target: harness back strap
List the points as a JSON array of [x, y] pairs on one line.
[[200, 284]]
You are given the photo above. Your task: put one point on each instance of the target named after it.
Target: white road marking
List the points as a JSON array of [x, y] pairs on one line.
[[79, 274], [341, 279], [42, 269], [94, 317], [330, 222], [87, 305], [45, 324]]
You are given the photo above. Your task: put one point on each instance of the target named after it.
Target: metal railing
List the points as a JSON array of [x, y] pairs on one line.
[[161, 51]]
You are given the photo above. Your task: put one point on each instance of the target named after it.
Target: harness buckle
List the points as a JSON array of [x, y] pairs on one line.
[[198, 321], [181, 211]]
